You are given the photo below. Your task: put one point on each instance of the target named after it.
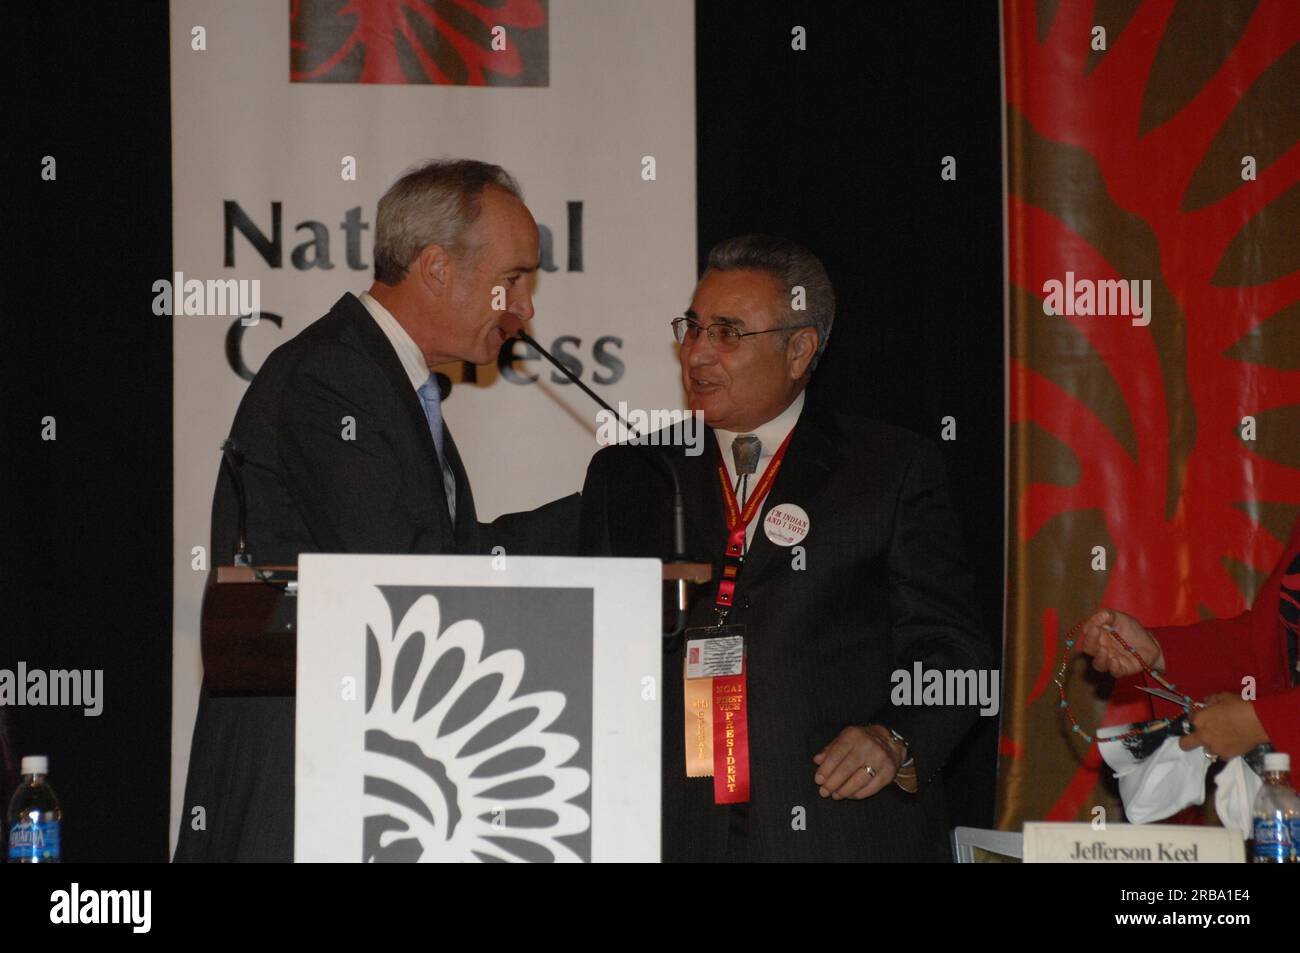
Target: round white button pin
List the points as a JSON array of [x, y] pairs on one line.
[[786, 524]]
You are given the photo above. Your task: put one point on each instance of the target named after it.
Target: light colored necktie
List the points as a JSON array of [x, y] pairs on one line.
[[431, 400], [745, 451]]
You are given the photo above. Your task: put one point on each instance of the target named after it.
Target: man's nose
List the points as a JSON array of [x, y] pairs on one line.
[[523, 305], [700, 352]]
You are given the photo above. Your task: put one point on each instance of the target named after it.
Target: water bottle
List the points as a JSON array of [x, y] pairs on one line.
[[1277, 814], [34, 816]]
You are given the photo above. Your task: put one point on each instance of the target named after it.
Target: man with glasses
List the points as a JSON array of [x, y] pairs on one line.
[[836, 566]]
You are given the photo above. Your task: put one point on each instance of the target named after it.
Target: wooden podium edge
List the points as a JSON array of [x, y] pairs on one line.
[[246, 651]]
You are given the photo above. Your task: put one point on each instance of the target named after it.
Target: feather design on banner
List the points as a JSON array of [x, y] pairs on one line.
[[446, 42], [1153, 225]]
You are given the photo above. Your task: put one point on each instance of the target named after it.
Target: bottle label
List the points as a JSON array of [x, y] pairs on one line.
[[34, 841], [1275, 840]]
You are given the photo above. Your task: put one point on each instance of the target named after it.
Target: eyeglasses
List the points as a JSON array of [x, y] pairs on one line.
[[724, 337]]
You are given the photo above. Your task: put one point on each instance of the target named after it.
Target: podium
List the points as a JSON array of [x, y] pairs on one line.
[[248, 626], [458, 708]]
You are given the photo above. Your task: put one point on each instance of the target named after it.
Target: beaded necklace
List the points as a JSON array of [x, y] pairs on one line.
[[1142, 728]]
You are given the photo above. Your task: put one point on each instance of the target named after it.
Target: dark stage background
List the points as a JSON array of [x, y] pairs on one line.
[[838, 147], [87, 564]]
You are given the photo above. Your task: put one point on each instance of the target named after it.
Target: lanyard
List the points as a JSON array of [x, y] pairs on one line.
[[738, 521], [717, 708]]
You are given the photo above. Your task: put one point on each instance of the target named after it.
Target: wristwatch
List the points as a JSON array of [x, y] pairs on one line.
[[907, 749], [905, 776]]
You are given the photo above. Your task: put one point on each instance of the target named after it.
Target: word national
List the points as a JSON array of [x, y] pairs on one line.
[[1086, 297], [653, 428]]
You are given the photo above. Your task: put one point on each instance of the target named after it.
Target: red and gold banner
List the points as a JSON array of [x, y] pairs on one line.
[[1153, 225]]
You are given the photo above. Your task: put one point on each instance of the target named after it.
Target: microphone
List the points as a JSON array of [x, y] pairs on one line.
[[666, 464], [232, 459]]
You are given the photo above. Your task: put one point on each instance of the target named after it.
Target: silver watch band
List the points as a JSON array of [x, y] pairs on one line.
[[907, 748]]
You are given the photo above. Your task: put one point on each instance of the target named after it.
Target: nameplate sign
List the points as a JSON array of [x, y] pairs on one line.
[[1048, 843]]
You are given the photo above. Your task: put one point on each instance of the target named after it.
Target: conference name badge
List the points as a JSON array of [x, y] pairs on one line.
[[711, 656], [717, 732], [786, 524]]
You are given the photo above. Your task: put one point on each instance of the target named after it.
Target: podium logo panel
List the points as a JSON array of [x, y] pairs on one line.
[[447, 712], [463, 761]]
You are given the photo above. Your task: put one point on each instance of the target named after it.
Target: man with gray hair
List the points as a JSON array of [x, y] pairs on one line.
[[836, 566], [342, 448]]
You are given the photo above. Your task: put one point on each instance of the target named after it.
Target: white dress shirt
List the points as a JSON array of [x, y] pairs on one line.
[[771, 434], [417, 371], [407, 351]]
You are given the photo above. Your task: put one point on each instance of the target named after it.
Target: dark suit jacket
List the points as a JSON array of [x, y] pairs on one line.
[[310, 490], [884, 586]]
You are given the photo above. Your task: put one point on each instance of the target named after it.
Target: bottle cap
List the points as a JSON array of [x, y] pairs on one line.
[[1277, 761], [35, 764]]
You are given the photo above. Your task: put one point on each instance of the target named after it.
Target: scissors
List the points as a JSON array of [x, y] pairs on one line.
[[1179, 700]]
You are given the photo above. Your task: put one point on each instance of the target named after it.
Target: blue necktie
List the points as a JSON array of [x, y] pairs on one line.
[[431, 400]]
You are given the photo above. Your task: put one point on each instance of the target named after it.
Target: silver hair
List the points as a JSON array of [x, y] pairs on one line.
[[791, 266], [433, 203]]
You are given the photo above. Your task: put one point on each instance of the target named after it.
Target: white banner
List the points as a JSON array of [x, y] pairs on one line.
[[588, 103]]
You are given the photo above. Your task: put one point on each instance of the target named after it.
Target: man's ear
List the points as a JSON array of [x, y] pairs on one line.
[[434, 266], [800, 350]]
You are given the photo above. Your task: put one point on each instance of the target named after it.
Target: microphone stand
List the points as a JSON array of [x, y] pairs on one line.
[[666, 464], [233, 460]]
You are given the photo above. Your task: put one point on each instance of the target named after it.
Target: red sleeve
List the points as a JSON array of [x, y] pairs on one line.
[[1280, 716], [1208, 656], [1215, 654]]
